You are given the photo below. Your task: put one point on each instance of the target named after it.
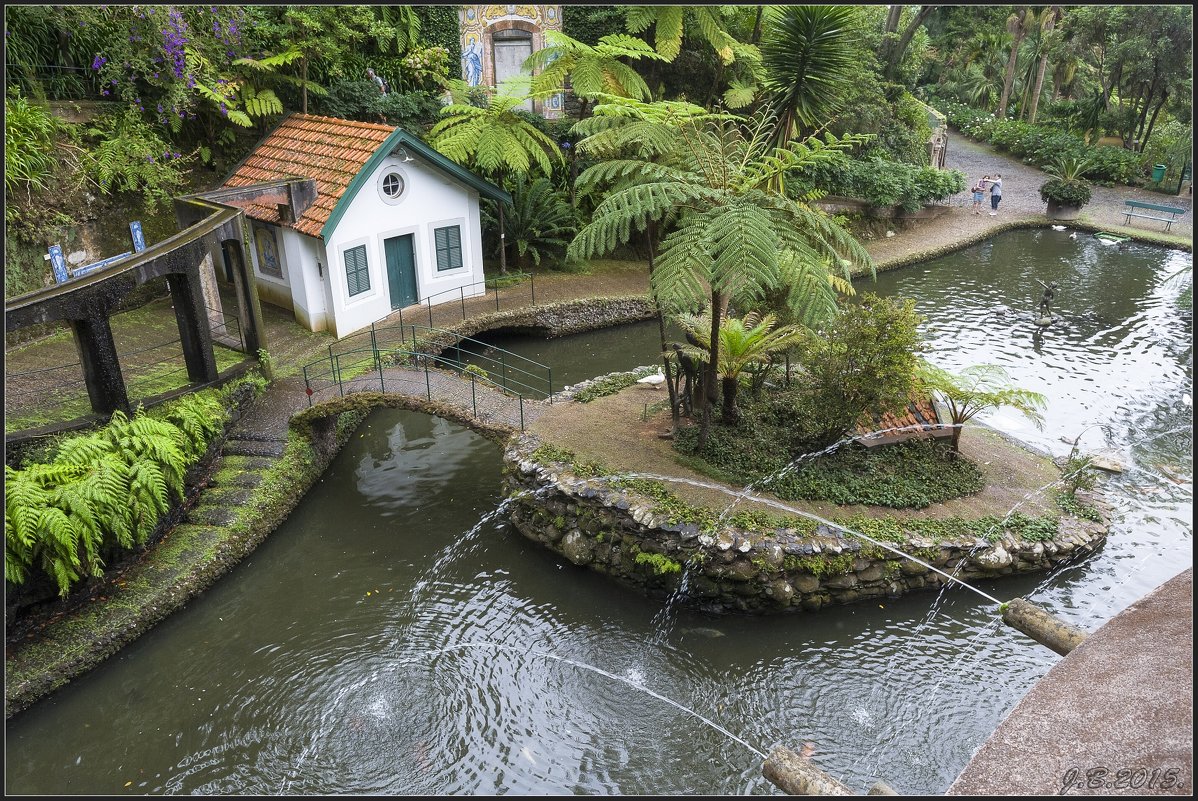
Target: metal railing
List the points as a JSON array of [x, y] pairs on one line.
[[463, 295], [356, 362]]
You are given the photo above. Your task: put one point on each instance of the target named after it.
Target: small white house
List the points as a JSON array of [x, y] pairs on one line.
[[393, 223]]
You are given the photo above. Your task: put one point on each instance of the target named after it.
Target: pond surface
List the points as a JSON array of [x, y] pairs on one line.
[[384, 641], [576, 357]]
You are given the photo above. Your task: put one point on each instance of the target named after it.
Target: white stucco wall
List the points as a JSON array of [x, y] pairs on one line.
[[430, 200], [302, 254]]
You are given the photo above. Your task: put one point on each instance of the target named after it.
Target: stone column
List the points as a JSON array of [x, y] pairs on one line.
[[248, 308], [101, 367], [194, 332]]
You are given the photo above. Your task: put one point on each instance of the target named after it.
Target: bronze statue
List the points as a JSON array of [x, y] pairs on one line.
[[1050, 290], [688, 374]]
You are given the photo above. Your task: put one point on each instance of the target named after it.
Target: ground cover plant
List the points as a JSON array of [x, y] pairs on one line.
[[912, 474]]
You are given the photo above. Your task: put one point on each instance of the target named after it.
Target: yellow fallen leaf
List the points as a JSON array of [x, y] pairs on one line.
[[128, 783], [368, 593]]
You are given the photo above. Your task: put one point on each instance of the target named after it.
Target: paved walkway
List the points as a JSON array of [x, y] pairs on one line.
[[1121, 701]]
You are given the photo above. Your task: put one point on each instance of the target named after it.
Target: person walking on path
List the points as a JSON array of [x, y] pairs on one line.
[[995, 193], [979, 189]]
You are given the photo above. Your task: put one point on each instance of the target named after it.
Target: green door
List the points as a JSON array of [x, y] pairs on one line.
[[401, 271]]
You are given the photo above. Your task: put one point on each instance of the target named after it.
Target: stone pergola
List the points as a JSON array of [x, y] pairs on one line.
[[213, 228]]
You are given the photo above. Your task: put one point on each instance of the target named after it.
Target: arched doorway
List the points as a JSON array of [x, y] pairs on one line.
[[510, 48]]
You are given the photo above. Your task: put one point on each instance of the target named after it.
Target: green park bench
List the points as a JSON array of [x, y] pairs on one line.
[[1137, 204]]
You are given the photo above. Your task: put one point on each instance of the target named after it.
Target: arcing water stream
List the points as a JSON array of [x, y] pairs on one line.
[[395, 637]]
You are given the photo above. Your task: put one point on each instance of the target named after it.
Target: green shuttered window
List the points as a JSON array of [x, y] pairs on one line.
[[449, 247], [357, 271]]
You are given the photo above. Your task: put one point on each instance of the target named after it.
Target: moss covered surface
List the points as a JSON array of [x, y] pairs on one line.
[[186, 560]]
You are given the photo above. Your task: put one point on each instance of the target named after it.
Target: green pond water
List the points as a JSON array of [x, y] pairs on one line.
[[393, 636]]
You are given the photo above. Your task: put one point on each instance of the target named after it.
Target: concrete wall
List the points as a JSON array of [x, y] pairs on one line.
[[430, 200]]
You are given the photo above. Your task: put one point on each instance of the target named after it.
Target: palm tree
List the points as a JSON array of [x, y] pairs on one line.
[[540, 224], [976, 389], [494, 139], [731, 232], [808, 56], [1017, 27], [743, 343], [1049, 21]]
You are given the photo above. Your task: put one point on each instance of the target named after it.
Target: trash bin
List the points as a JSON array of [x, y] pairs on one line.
[[1158, 173]]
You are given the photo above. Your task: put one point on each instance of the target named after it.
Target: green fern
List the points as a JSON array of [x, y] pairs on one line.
[[106, 488]]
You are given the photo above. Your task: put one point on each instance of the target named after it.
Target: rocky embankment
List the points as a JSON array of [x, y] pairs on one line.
[[603, 524]]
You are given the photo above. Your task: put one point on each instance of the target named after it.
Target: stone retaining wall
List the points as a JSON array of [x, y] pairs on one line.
[[607, 530], [551, 320]]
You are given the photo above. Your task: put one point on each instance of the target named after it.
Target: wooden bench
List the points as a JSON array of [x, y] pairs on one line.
[[1137, 204]]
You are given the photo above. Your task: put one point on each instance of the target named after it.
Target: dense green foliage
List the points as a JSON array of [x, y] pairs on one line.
[[1039, 145], [911, 474], [863, 362], [539, 223], [880, 181], [29, 160], [102, 491]]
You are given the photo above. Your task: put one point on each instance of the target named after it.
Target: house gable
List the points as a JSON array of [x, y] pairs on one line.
[[341, 156]]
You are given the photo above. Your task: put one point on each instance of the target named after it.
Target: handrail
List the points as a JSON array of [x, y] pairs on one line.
[[427, 301], [362, 358]]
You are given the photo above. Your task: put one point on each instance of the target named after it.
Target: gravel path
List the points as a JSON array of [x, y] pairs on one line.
[[1021, 204]]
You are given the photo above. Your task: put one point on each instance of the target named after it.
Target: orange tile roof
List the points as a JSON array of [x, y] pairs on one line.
[[330, 150], [919, 420]]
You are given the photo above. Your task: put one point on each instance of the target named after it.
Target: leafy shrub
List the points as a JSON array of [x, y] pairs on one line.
[[879, 181], [862, 362], [932, 185], [1065, 193], [29, 130], [426, 68], [911, 474], [130, 156], [361, 100], [413, 111]]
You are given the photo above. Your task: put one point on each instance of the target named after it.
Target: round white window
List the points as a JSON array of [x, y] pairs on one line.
[[391, 186]]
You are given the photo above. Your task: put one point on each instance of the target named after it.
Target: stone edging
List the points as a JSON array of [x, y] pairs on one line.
[[1023, 223], [608, 530]]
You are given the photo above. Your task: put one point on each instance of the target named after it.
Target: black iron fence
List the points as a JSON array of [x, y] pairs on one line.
[[420, 358]]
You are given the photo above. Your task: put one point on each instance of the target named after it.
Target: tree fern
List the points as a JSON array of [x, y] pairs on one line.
[[733, 231], [109, 487]]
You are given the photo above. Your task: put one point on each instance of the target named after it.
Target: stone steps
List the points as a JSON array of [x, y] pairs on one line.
[[236, 446]]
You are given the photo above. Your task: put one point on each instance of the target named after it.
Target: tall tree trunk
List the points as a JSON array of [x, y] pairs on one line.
[[715, 85], [1152, 122], [709, 374], [756, 37], [502, 240], [1008, 77], [650, 230], [730, 414], [1035, 100], [304, 85], [895, 56], [1138, 128]]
